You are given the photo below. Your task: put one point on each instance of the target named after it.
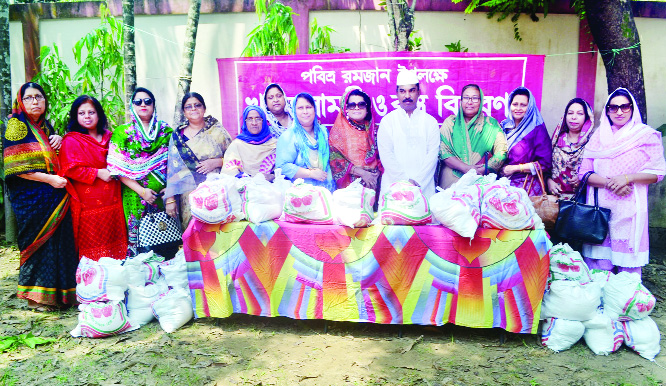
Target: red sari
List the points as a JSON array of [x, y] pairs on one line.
[[97, 207]]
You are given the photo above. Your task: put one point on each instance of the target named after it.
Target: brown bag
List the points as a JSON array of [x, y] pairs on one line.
[[546, 205]]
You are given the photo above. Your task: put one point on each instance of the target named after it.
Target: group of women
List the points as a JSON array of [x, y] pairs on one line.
[[85, 194]]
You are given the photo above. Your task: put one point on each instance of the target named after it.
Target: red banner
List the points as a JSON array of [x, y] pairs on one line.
[[327, 76]]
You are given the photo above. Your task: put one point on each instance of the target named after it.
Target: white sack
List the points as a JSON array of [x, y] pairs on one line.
[[404, 204], [216, 200], [305, 203], [140, 300], [603, 335], [458, 210], [175, 271], [561, 334], [625, 298], [353, 205], [642, 336], [571, 300], [99, 281], [506, 207], [102, 319], [173, 309], [567, 264], [261, 201]]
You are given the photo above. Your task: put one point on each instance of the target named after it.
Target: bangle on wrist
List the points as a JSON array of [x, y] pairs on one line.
[[626, 178]]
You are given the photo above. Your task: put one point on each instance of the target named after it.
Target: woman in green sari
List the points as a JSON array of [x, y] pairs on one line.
[[138, 156], [470, 140]]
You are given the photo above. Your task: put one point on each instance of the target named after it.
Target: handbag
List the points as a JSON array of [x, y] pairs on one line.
[[546, 205], [159, 232], [578, 221]]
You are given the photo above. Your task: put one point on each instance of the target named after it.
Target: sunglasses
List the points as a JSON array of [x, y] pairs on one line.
[[354, 105], [146, 101], [625, 108]]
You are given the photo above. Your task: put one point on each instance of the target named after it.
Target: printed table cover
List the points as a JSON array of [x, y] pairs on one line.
[[425, 275]]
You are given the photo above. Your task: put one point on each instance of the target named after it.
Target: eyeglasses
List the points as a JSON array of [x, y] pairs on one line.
[[192, 107], [36, 98], [354, 105], [146, 101], [625, 108], [474, 99], [255, 120]]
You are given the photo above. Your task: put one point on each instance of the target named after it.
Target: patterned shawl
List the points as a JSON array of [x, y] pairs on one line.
[[470, 141], [135, 152], [531, 119], [26, 143], [273, 124], [352, 144], [259, 138], [185, 153], [567, 157], [303, 144]]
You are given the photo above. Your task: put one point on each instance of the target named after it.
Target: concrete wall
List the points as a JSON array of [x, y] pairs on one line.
[[159, 42]]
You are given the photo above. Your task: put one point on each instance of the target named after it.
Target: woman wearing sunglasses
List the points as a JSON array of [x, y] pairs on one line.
[[625, 156], [470, 140], [353, 142], [196, 148], [138, 155]]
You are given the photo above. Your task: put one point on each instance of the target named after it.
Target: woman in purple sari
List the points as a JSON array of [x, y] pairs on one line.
[[625, 156], [528, 141]]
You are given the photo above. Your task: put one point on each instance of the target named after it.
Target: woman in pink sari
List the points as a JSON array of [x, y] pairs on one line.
[[625, 156]]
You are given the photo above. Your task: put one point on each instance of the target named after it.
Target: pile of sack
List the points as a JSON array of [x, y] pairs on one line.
[[119, 296], [483, 202], [605, 309]]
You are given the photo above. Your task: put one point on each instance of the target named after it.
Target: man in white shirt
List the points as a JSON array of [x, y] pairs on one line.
[[408, 139]]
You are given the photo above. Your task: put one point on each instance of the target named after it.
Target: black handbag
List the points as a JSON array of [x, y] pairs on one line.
[[159, 232], [578, 221]]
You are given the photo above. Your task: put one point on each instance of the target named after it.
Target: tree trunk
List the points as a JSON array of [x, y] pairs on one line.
[[613, 27], [187, 60], [128, 53], [401, 22], [5, 110]]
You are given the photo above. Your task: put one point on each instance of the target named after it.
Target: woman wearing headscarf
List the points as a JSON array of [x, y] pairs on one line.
[[138, 156], [568, 141], [41, 204], [278, 110], [470, 140], [97, 207], [303, 151], [625, 156], [528, 142], [253, 150], [196, 148], [353, 142]]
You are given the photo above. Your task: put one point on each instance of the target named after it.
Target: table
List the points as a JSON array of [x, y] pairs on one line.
[[426, 275]]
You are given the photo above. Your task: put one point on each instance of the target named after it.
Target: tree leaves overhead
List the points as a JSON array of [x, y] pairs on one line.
[[277, 34], [502, 9], [99, 55]]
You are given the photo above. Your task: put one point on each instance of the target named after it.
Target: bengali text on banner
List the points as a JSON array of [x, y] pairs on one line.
[[327, 76]]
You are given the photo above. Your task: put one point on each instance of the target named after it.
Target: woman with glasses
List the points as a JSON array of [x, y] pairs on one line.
[[278, 111], [41, 204], [196, 148], [529, 145], [470, 140], [303, 151], [568, 141], [353, 142], [97, 210], [625, 156], [138, 156], [253, 150]]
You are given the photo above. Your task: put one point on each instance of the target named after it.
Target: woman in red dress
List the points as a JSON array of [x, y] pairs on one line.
[[97, 207]]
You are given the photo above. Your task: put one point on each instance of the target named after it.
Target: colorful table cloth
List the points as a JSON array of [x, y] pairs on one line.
[[425, 275]]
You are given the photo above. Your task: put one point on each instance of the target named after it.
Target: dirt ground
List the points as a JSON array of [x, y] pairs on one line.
[[244, 350]]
